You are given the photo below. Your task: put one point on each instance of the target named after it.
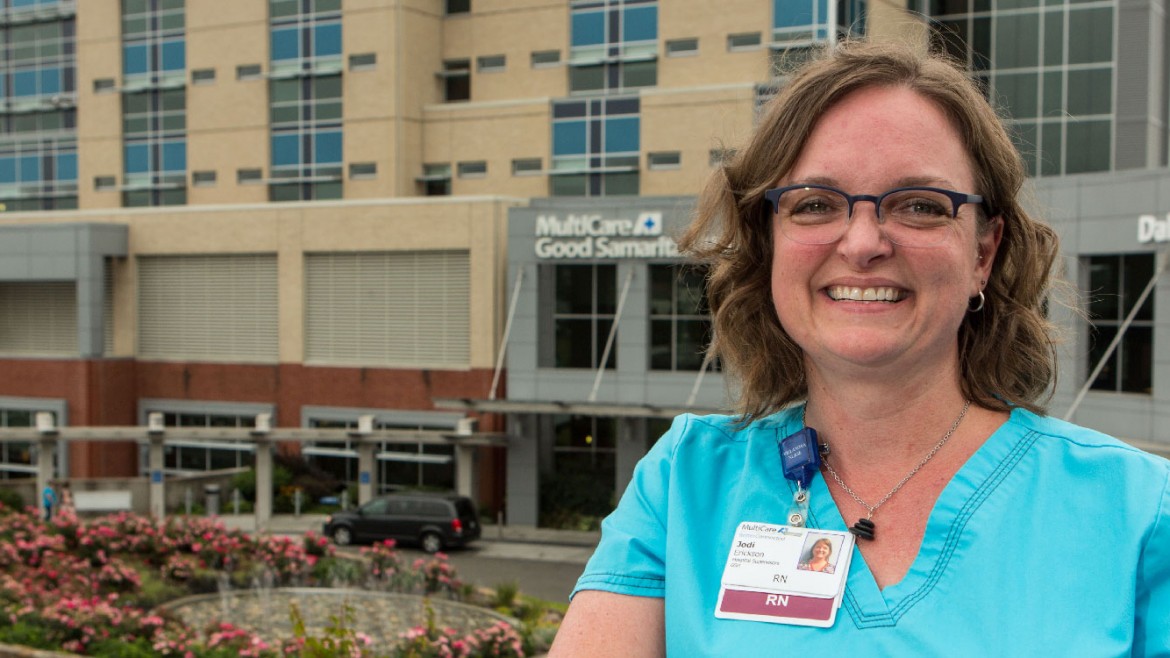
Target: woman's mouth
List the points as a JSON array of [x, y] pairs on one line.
[[854, 294]]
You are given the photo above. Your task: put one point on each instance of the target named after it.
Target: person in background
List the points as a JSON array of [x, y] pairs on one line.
[[48, 501], [874, 276]]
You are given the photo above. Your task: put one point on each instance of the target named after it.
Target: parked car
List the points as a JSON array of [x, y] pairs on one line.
[[432, 521]]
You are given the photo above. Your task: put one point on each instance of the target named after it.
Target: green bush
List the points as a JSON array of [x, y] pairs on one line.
[[11, 500], [28, 635], [575, 500], [118, 648]]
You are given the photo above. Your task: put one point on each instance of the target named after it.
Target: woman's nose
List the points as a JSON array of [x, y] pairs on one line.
[[864, 239]]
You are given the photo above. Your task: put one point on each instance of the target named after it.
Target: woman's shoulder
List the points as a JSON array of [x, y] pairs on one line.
[[703, 429], [1057, 434]]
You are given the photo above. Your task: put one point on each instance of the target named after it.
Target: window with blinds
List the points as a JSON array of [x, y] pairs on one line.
[[39, 318], [214, 308], [407, 309]]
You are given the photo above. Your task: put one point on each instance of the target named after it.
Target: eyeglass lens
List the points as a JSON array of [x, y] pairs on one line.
[[909, 217]]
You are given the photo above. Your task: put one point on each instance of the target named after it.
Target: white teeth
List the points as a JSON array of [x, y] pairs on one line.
[[883, 294]]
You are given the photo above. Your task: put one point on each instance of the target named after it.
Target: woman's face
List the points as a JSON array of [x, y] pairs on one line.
[[873, 140], [821, 550]]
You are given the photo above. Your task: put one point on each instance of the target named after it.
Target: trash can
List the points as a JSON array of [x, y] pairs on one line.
[[211, 495]]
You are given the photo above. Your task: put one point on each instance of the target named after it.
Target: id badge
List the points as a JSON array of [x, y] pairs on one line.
[[781, 574]]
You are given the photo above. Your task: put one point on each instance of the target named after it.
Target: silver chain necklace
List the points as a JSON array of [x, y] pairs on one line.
[[864, 528]]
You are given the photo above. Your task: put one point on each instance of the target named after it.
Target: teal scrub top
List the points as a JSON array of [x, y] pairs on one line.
[[1052, 540]]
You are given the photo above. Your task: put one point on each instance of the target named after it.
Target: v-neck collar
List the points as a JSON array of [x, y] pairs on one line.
[[867, 604]]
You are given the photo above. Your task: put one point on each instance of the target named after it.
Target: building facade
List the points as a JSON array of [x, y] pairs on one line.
[[421, 209]]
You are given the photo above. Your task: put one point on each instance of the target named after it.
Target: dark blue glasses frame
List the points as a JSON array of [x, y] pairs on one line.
[[957, 198]]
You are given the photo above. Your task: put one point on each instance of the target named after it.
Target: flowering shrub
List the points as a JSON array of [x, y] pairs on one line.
[[429, 641], [82, 586]]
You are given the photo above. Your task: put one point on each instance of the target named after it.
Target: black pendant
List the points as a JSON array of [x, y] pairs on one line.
[[863, 529]]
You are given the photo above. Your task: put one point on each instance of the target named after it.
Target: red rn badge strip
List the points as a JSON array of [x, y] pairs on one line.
[[776, 605]]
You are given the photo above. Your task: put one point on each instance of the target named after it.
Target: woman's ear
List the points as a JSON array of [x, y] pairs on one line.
[[987, 246]]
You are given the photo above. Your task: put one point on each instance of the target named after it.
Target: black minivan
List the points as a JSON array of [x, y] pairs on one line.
[[433, 521]]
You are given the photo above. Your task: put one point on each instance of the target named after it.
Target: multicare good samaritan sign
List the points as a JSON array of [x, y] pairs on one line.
[[595, 236]]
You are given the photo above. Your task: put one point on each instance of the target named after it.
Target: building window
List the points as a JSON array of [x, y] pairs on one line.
[[249, 72], [305, 36], [614, 45], [154, 43], [595, 147], [1052, 69], [743, 41], [154, 103], [16, 457], [363, 61], [202, 76], [246, 176], [580, 491], [38, 119], [1114, 284], [154, 135], [104, 85], [458, 7], [682, 47], [490, 63], [475, 169], [305, 100], [545, 58], [203, 178], [527, 167], [181, 458], [680, 325], [456, 75], [583, 313], [104, 183], [400, 465], [306, 147], [363, 170], [802, 23], [664, 160], [436, 180]]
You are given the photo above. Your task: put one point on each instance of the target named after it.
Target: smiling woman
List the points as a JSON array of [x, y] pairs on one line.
[[874, 276]]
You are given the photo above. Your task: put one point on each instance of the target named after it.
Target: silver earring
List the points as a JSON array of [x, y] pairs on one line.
[[978, 308]]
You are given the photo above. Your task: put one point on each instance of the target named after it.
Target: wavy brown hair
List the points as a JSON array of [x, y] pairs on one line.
[[1007, 353]]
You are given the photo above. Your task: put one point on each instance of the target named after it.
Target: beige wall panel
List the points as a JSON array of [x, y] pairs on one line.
[[218, 14], [680, 19], [98, 21], [291, 230], [512, 29], [370, 141], [290, 285], [496, 134], [99, 126], [98, 157], [125, 307], [692, 123], [369, 93], [894, 22], [244, 230], [417, 42]]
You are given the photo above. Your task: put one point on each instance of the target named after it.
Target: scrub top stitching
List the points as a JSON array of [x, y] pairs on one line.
[[863, 620]]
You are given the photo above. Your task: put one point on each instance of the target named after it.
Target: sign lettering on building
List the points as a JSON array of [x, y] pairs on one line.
[[595, 236], [1152, 229]]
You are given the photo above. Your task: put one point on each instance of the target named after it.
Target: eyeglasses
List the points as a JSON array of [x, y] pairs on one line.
[[908, 216]]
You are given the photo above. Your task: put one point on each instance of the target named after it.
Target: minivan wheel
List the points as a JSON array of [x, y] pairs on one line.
[[342, 536], [432, 542]]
